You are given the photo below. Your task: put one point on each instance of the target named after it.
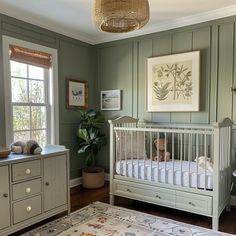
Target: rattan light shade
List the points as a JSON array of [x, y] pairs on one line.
[[117, 16]]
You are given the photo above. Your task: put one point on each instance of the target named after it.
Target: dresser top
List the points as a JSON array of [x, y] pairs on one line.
[[49, 150]]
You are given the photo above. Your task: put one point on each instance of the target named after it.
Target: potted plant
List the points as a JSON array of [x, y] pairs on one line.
[[91, 140]]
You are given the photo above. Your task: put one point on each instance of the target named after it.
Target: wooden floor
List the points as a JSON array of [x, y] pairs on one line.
[[81, 197]]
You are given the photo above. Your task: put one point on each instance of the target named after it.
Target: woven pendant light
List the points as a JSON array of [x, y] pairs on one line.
[[118, 16]]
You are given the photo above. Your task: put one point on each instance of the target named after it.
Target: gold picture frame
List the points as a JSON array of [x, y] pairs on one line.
[[77, 94]]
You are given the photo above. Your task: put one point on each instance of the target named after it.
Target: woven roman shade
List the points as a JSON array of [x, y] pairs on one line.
[[28, 56]]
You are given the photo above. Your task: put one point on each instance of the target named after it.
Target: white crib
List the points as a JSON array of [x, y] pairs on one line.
[[197, 178]]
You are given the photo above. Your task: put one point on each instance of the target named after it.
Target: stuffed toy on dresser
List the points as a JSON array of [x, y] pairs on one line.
[[29, 147]]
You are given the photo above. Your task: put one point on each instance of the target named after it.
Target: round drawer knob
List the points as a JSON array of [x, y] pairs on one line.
[[5, 195], [28, 208], [191, 203], [28, 190], [27, 171], [47, 184]]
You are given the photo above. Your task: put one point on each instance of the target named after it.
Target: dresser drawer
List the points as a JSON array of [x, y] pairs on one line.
[[150, 194], [25, 189], [25, 170], [26, 209], [194, 203]]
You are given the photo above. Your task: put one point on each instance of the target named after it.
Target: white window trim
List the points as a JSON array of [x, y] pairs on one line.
[[54, 118]]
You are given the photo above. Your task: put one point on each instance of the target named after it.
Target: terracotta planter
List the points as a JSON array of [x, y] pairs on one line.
[[93, 177]]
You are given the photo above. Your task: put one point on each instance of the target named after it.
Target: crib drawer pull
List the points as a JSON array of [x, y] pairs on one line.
[[28, 190], [28, 209], [28, 171], [191, 203], [128, 190], [157, 196]]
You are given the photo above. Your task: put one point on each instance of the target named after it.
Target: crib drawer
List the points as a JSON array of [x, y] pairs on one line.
[[194, 203], [146, 193]]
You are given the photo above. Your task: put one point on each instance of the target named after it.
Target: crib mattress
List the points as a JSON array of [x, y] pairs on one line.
[[188, 175]]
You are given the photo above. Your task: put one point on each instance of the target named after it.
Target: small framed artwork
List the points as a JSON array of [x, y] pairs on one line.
[[172, 83], [111, 100], [77, 94]]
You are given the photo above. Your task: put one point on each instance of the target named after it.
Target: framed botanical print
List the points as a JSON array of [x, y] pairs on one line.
[[172, 83]]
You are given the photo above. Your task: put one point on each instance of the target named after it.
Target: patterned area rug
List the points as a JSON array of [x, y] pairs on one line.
[[100, 219]]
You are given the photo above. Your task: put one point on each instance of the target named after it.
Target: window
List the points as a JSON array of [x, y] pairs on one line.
[[29, 102], [30, 92]]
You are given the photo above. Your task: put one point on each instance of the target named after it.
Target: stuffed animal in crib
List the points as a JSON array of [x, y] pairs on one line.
[[205, 163], [29, 147], [160, 145]]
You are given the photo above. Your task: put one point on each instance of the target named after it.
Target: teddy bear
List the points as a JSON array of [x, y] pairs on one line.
[[159, 144], [29, 147], [205, 162]]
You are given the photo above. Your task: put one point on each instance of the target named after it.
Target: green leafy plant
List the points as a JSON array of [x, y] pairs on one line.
[[91, 139]]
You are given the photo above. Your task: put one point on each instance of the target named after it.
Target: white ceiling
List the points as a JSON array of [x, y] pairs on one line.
[[74, 17]]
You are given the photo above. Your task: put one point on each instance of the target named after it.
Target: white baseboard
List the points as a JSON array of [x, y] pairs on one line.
[[107, 177], [75, 182], [233, 200], [78, 181]]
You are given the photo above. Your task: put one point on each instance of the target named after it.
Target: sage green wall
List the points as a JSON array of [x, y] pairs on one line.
[[75, 60], [121, 65]]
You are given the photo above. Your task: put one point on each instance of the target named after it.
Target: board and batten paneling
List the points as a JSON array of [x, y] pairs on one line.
[[202, 42], [226, 43], [234, 81], [158, 45], [182, 42], [216, 42], [144, 52], [116, 69], [161, 47], [76, 63], [75, 60]]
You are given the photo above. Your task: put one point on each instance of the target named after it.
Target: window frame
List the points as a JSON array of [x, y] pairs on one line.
[[52, 91]]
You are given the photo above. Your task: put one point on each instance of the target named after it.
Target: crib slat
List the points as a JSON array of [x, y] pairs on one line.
[[126, 166], [144, 155], [132, 155], [157, 154], [205, 155], [138, 154], [151, 153], [181, 156], [185, 147], [173, 151], [189, 157], [197, 156], [120, 151], [165, 158]]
